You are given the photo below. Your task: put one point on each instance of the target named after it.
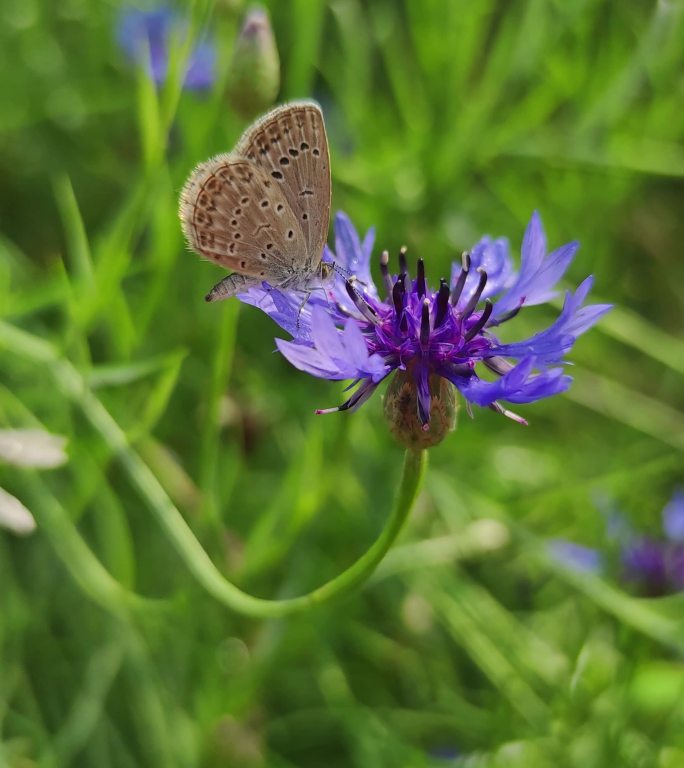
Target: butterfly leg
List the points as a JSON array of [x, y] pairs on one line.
[[302, 305], [230, 286]]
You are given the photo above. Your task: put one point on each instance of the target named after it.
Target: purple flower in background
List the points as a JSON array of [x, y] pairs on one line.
[[644, 561], [428, 335], [145, 36], [654, 565]]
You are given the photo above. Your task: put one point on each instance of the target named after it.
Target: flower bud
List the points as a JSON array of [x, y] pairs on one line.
[[401, 411], [254, 74]]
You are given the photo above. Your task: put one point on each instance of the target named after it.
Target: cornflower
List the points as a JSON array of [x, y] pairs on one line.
[[433, 338]]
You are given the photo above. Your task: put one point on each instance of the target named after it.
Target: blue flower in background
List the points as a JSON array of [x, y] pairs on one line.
[[655, 565], [144, 36], [576, 556], [354, 334]]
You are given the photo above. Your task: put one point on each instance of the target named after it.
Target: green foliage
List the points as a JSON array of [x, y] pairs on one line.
[[447, 119]]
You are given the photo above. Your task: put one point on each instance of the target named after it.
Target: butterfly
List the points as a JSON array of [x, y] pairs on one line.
[[263, 210]]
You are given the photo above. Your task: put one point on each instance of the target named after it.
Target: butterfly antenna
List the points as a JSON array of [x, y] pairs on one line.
[[341, 271], [347, 276]]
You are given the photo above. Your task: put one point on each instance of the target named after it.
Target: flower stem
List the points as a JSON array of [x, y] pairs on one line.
[[73, 386]]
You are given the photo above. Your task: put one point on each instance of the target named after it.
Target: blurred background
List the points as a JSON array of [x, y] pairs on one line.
[[531, 613]]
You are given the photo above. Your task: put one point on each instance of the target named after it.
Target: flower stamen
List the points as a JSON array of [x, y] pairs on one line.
[[361, 304], [509, 315], [398, 291], [475, 298], [462, 277], [384, 271], [496, 406], [420, 280], [403, 263], [442, 303], [425, 324], [498, 365], [480, 322]]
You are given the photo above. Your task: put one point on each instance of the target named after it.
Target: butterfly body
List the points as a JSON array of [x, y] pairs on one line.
[[263, 210]]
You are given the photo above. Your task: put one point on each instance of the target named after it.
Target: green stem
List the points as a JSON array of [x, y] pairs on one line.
[[180, 534]]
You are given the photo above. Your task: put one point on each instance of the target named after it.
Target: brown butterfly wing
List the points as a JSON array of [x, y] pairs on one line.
[[234, 214], [290, 144]]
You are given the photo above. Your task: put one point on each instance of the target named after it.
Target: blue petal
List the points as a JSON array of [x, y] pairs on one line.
[[334, 354], [348, 250], [673, 517], [534, 245], [551, 345], [519, 385], [539, 273], [367, 245], [326, 337], [576, 556], [494, 258], [286, 309], [144, 37], [310, 360], [355, 344], [352, 255], [201, 67]]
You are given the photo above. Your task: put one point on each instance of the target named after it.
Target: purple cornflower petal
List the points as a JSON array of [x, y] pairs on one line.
[[494, 258], [656, 566], [576, 556], [291, 310], [144, 36], [201, 67], [675, 565], [673, 517], [539, 273], [350, 253], [344, 330], [644, 561], [519, 385], [335, 354], [551, 345]]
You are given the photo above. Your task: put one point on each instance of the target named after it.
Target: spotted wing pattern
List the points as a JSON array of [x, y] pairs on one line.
[[236, 215], [291, 146]]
